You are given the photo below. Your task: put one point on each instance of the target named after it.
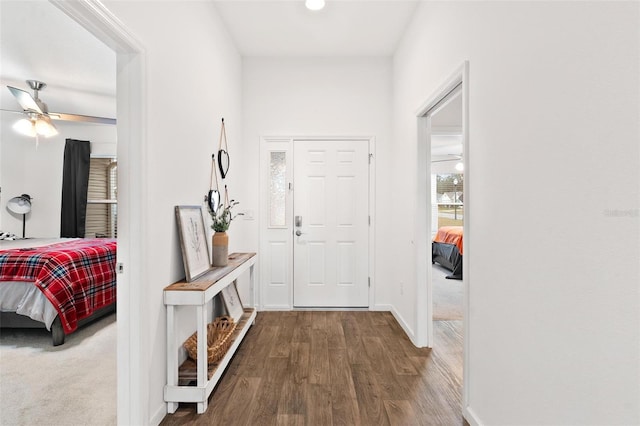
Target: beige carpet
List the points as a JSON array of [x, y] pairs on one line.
[[72, 384], [447, 296]]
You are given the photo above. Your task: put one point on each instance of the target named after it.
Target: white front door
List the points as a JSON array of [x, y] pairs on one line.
[[331, 219]]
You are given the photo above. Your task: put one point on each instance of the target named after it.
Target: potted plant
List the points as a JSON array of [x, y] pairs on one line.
[[221, 220]]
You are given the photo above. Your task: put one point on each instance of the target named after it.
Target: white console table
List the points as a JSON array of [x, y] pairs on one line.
[[198, 293]]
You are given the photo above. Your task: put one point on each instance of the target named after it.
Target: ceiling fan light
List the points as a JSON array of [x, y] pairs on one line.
[[45, 128], [314, 4], [25, 127]]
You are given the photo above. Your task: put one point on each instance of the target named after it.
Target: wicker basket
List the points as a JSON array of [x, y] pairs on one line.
[[218, 339]]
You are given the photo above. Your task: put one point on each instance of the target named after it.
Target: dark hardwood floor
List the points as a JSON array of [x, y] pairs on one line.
[[336, 368]]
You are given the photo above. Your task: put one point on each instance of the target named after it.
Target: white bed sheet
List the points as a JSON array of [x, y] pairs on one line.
[[23, 297], [31, 242]]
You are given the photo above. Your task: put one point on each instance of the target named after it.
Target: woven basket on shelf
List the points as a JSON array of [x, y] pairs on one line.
[[218, 339]]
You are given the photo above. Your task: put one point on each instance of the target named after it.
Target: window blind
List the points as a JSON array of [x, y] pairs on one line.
[[102, 199]]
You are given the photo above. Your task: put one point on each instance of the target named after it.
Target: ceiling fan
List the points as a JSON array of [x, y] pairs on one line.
[[39, 117], [454, 157], [450, 157]]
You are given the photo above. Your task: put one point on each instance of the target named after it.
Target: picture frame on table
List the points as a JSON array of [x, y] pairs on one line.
[[232, 301], [193, 241]]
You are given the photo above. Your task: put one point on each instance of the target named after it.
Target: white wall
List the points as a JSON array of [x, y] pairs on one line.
[[319, 97], [80, 77], [37, 170], [192, 80], [553, 122]]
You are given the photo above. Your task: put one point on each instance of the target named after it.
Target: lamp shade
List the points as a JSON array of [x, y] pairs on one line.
[[20, 204], [45, 127], [36, 125], [25, 127], [314, 4]]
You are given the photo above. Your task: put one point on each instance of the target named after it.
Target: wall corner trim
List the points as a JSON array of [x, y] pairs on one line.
[[471, 417], [405, 326], [159, 415]]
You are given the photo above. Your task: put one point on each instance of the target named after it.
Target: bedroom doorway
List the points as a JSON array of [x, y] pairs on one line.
[[443, 201], [447, 208], [132, 374]]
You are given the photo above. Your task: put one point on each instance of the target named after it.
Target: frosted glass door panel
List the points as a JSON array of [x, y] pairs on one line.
[[278, 190]]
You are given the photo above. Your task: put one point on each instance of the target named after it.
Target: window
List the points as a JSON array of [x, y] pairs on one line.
[[277, 189], [450, 199], [102, 207]]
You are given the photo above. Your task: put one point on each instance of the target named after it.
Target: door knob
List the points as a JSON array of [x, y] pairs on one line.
[[299, 232]]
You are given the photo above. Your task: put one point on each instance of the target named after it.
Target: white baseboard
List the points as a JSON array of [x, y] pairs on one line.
[[159, 415], [398, 317], [276, 308], [382, 308], [471, 417], [289, 308]]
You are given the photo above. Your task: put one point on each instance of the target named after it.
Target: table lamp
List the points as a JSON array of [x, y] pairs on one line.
[[20, 205]]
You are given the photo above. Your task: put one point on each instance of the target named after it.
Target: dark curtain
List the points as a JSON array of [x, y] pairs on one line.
[[75, 183]]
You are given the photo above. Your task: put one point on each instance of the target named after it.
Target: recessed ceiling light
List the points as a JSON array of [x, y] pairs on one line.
[[314, 4]]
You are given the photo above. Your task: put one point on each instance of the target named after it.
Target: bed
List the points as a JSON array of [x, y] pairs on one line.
[[56, 283], [447, 249]]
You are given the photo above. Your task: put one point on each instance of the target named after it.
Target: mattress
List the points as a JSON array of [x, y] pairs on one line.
[[446, 249], [23, 297], [450, 235], [77, 277], [26, 299]]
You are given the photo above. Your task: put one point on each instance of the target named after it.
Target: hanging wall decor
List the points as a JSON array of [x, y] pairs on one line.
[[223, 154], [213, 198]]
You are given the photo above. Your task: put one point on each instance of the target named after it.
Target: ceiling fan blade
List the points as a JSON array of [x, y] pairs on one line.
[[12, 111], [25, 100], [81, 118], [444, 160]]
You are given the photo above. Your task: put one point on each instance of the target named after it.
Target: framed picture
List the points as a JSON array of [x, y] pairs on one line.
[[193, 241], [232, 301]]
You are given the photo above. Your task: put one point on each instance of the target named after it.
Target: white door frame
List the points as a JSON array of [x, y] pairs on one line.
[[424, 299], [132, 370], [285, 144]]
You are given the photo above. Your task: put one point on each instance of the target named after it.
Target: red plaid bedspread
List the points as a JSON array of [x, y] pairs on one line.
[[78, 277]]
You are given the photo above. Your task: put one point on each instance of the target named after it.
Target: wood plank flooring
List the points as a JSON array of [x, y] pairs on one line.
[[336, 368]]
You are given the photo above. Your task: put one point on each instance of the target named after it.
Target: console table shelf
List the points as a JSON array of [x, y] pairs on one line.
[[188, 371], [193, 381]]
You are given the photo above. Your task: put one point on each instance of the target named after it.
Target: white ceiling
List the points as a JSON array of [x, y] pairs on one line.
[[39, 42], [342, 28], [449, 117], [446, 142]]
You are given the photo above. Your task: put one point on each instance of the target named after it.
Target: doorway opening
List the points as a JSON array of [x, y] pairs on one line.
[[132, 374], [443, 201], [447, 208]]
